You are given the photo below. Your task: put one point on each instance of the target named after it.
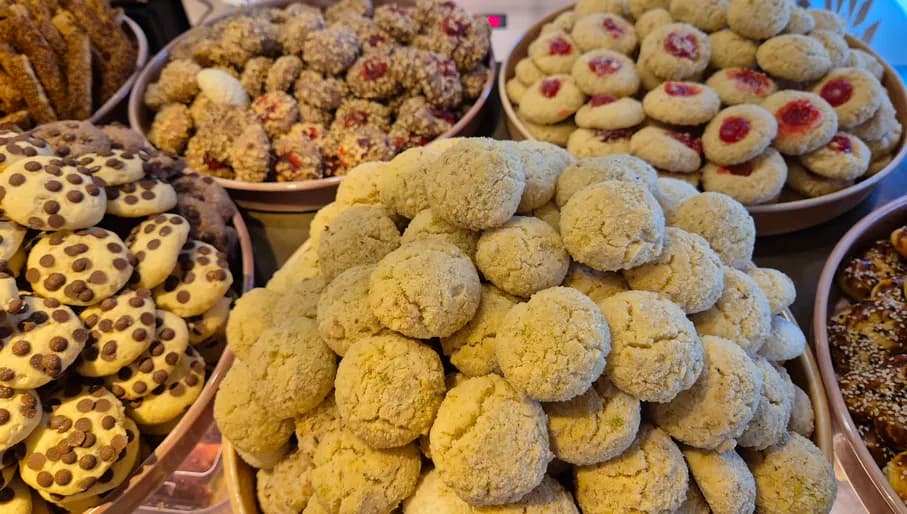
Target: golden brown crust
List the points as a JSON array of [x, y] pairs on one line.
[[110, 40], [77, 61], [19, 67], [21, 31], [20, 118], [10, 97]]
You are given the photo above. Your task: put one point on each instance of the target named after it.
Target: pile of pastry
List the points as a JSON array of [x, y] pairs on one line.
[[302, 93], [733, 96], [111, 302], [60, 59], [868, 340], [482, 325]]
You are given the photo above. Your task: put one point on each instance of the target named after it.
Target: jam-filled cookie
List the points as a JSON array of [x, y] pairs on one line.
[[741, 86], [845, 157], [551, 100], [605, 30], [738, 134], [682, 103], [598, 143], [554, 52], [854, 93], [806, 121], [677, 51], [756, 181], [667, 150], [608, 113], [606, 72]]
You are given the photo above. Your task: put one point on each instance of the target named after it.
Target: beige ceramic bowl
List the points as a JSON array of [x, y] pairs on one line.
[[793, 212], [299, 196], [135, 33]]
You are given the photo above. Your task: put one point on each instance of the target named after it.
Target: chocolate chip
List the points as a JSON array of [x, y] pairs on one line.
[[58, 344], [45, 479], [63, 476], [54, 281], [17, 179], [160, 376], [140, 334], [97, 277], [60, 316], [75, 196], [84, 424], [120, 264], [21, 348], [56, 221], [32, 166], [90, 439], [85, 405], [107, 453], [47, 260], [183, 297], [88, 462], [4, 416], [139, 387], [114, 247], [108, 422], [74, 179], [35, 461], [53, 186]]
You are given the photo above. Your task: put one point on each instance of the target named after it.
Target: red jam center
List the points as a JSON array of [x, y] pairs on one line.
[[355, 119], [693, 143], [797, 116], [682, 45], [550, 87], [453, 26], [603, 66], [601, 100], [447, 116], [313, 133], [840, 143], [681, 89], [734, 129], [373, 69], [741, 170], [609, 136], [837, 92], [376, 39], [213, 164], [611, 26], [560, 46], [448, 68], [750, 81]]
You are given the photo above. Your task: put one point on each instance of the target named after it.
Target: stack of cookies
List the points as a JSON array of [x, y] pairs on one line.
[[483, 326], [112, 301], [732, 96]]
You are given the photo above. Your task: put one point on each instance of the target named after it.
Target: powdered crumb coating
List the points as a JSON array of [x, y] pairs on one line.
[[723, 222], [778, 287], [427, 226], [672, 192], [595, 284], [471, 349], [171, 128], [741, 314], [785, 342], [769, 424], [313, 426], [802, 417], [724, 480], [286, 487], [591, 170], [542, 164], [248, 319], [360, 234], [344, 315], [404, 181]]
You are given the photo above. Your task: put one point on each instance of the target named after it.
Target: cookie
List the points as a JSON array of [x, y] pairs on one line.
[[115, 167], [867, 61], [604, 112], [604, 30], [824, 19], [551, 100], [672, 192], [79, 268], [210, 323], [16, 498], [880, 124], [723, 222], [592, 170], [156, 244], [47, 193], [201, 278], [11, 236], [667, 149], [557, 134], [651, 20], [758, 20], [793, 57], [20, 413], [835, 45], [800, 21], [598, 143], [73, 138], [753, 182], [742, 313], [731, 50], [676, 51], [117, 474], [554, 52], [141, 198], [806, 121], [157, 364], [15, 148], [811, 185], [605, 72], [122, 328], [741, 86], [681, 103], [845, 157], [527, 72], [175, 396], [705, 15], [854, 93], [76, 443], [38, 342], [738, 134]]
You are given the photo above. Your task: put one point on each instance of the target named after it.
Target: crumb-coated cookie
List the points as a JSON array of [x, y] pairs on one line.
[[477, 184], [753, 182], [825, 19], [542, 165], [604, 30], [681, 103], [287, 487], [591, 170], [598, 143], [667, 149], [802, 417], [810, 185], [115, 167], [677, 51], [144, 197], [741, 314], [553, 347], [605, 72], [792, 476], [522, 256], [706, 15], [688, 272], [360, 185], [845, 157], [388, 389], [614, 486], [769, 423], [403, 289], [426, 225], [854, 93], [551, 100], [554, 52], [55, 461], [601, 221], [157, 364], [171, 399], [723, 222], [778, 288], [793, 57], [79, 268], [360, 234], [605, 112], [156, 244], [717, 408], [806, 121], [741, 86], [486, 416], [21, 411], [656, 352], [122, 328], [403, 182], [672, 192], [731, 50], [344, 315], [595, 426], [201, 277], [471, 349], [172, 128], [595, 284], [738, 134], [724, 480], [758, 20], [47, 193]]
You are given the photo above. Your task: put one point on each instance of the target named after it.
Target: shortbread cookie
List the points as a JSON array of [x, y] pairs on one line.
[[585, 7], [604, 30], [742, 313], [145, 197], [156, 245], [723, 222], [605, 72], [20, 411], [738, 134], [201, 278], [605, 112], [211, 323], [793, 57], [753, 182], [867, 61], [854, 93], [731, 50], [515, 90], [845, 157], [115, 167], [599, 143], [551, 100], [811, 185], [880, 124], [741, 86], [635, 8], [677, 51], [122, 328], [45, 193], [758, 20], [174, 397], [806, 121], [681, 103], [651, 20], [554, 52], [667, 149]]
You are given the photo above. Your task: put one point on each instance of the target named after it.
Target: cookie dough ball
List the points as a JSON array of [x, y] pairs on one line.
[[706, 15], [793, 57], [605, 72], [758, 20], [717, 409], [522, 256], [677, 51], [287, 486], [359, 235], [844, 158], [596, 426], [554, 346], [731, 50], [542, 164], [769, 424], [793, 476], [471, 349], [604, 30], [802, 417], [595, 284], [666, 149], [681, 103], [738, 134], [551, 100], [741, 86], [388, 389], [427, 226], [344, 315], [351, 476], [687, 272], [425, 289], [489, 442], [828, 20], [656, 352], [292, 367], [723, 222], [651, 476], [854, 94], [672, 192], [741, 314], [613, 225], [757, 181], [554, 52], [477, 184], [725, 481], [779, 289], [785, 342], [592, 170]]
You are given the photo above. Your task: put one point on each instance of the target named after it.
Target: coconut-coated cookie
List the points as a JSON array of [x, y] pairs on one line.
[[47, 193], [200, 278], [144, 197], [79, 268], [811, 185], [551, 100], [806, 121], [605, 72], [756, 181], [723, 222], [845, 157], [681, 103], [742, 313], [114, 168], [723, 478], [122, 328], [20, 410], [854, 93], [731, 50], [741, 86], [677, 51], [554, 52], [604, 30], [174, 397], [793, 57], [738, 134], [667, 150], [605, 112], [156, 244], [361, 234]]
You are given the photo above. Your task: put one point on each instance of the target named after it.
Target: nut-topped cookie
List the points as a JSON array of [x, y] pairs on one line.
[[141, 198], [79, 268], [201, 278], [115, 167], [122, 327], [156, 244], [20, 414]]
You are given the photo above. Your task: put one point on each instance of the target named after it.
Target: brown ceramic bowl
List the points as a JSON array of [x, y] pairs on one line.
[[101, 115], [793, 212], [868, 480], [302, 196]]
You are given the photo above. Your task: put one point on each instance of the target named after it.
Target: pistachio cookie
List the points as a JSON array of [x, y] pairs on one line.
[[723, 222], [742, 313], [723, 478], [681, 103], [361, 234], [200, 278], [769, 423], [605, 72], [471, 349], [156, 245], [592, 170], [738, 134], [145, 197], [122, 328], [672, 192], [756, 181], [344, 316]]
